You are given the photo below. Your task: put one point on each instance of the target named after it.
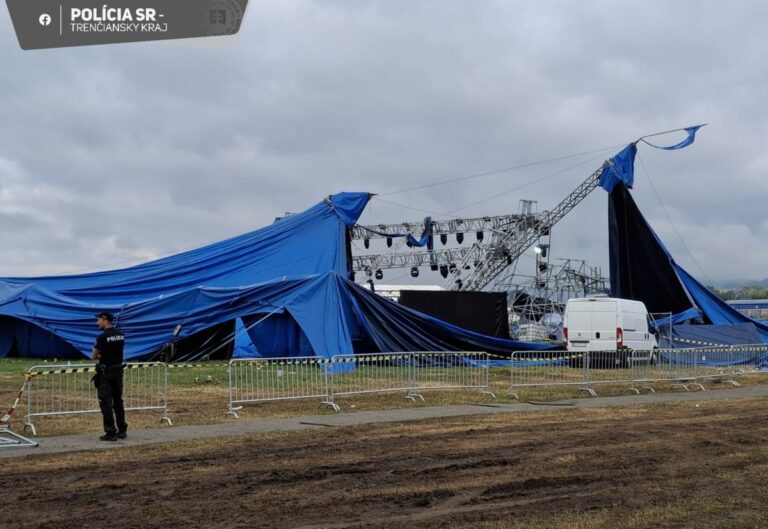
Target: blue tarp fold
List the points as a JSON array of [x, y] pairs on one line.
[[286, 285], [619, 169], [689, 139]]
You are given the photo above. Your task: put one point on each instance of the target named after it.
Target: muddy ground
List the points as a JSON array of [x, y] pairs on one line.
[[681, 465]]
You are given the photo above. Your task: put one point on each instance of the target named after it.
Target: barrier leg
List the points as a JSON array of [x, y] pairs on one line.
[[512, 394], [491, 393], [487, 381], [585, 386], [412, 396], [165, 419], [731, 368], [231, 409], [410, 393], [10, 439], [329, 403], [28, 424]]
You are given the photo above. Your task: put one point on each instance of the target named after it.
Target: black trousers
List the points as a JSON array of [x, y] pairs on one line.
[[110, 393]]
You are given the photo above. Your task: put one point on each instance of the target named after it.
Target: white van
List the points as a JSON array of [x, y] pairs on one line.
[[609, 325]]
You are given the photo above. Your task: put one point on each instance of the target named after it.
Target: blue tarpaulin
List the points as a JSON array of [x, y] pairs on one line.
[[643, 269], [288, 283], [426, 238], [703, 335], [689, 139], [619, 169]]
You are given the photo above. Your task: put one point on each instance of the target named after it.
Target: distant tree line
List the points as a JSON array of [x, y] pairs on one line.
[[747, 292]]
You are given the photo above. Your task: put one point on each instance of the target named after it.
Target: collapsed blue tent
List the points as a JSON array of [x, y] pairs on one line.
[[641, 267], [703, 335], [287, 285]]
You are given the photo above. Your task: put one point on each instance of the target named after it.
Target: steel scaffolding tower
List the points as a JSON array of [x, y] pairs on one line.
[[488, 263]]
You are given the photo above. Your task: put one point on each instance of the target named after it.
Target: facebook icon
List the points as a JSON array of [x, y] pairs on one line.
[[45, 19]]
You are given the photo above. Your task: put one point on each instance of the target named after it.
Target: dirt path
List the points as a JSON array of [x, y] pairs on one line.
[[89, 442], [457, 472]]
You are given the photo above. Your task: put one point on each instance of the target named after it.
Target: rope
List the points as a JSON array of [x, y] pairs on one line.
[[498, 171], [669, 218]]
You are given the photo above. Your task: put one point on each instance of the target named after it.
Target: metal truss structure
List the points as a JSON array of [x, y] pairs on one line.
[[537, 301], [486, 264]]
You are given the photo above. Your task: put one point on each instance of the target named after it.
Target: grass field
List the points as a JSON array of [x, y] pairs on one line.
[[199, 395], [681, 465]]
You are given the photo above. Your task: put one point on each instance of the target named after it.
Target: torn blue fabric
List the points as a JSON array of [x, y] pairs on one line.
[[620, 168], [685, 143], [426, 238], [692, 314]]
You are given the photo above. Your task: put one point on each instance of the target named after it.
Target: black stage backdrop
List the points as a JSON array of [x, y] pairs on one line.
[[483, 312], [640, 267]]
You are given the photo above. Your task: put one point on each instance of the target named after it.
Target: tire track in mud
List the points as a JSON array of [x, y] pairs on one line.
[[467, 471]]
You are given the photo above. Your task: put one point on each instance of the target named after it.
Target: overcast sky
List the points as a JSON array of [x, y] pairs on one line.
[[111, 155]]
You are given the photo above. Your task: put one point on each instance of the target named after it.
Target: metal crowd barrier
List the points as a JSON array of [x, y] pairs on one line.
[[274, 379], [410, 373], [676, 367], [269, 379], [451, 370], [637, 371], [372, 373], [66, 389], [559, 369]]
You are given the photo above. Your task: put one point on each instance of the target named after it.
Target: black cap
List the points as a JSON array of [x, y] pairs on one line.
[[106, 315]]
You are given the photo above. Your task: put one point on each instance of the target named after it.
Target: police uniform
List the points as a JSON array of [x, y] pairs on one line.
[[110, 344]]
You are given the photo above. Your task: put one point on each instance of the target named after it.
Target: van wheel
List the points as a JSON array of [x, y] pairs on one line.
[[655, 356]]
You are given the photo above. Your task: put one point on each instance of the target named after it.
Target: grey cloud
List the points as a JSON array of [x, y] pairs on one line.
[[176, 146]]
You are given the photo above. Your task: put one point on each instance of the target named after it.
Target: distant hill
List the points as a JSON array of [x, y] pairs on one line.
[[735, 284], [753, 290]]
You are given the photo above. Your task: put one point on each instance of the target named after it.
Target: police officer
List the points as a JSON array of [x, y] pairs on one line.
[[109, 377]]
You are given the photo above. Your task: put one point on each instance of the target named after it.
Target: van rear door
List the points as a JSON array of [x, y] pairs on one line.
[[579, 326], [604, 318], [592, 325]]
